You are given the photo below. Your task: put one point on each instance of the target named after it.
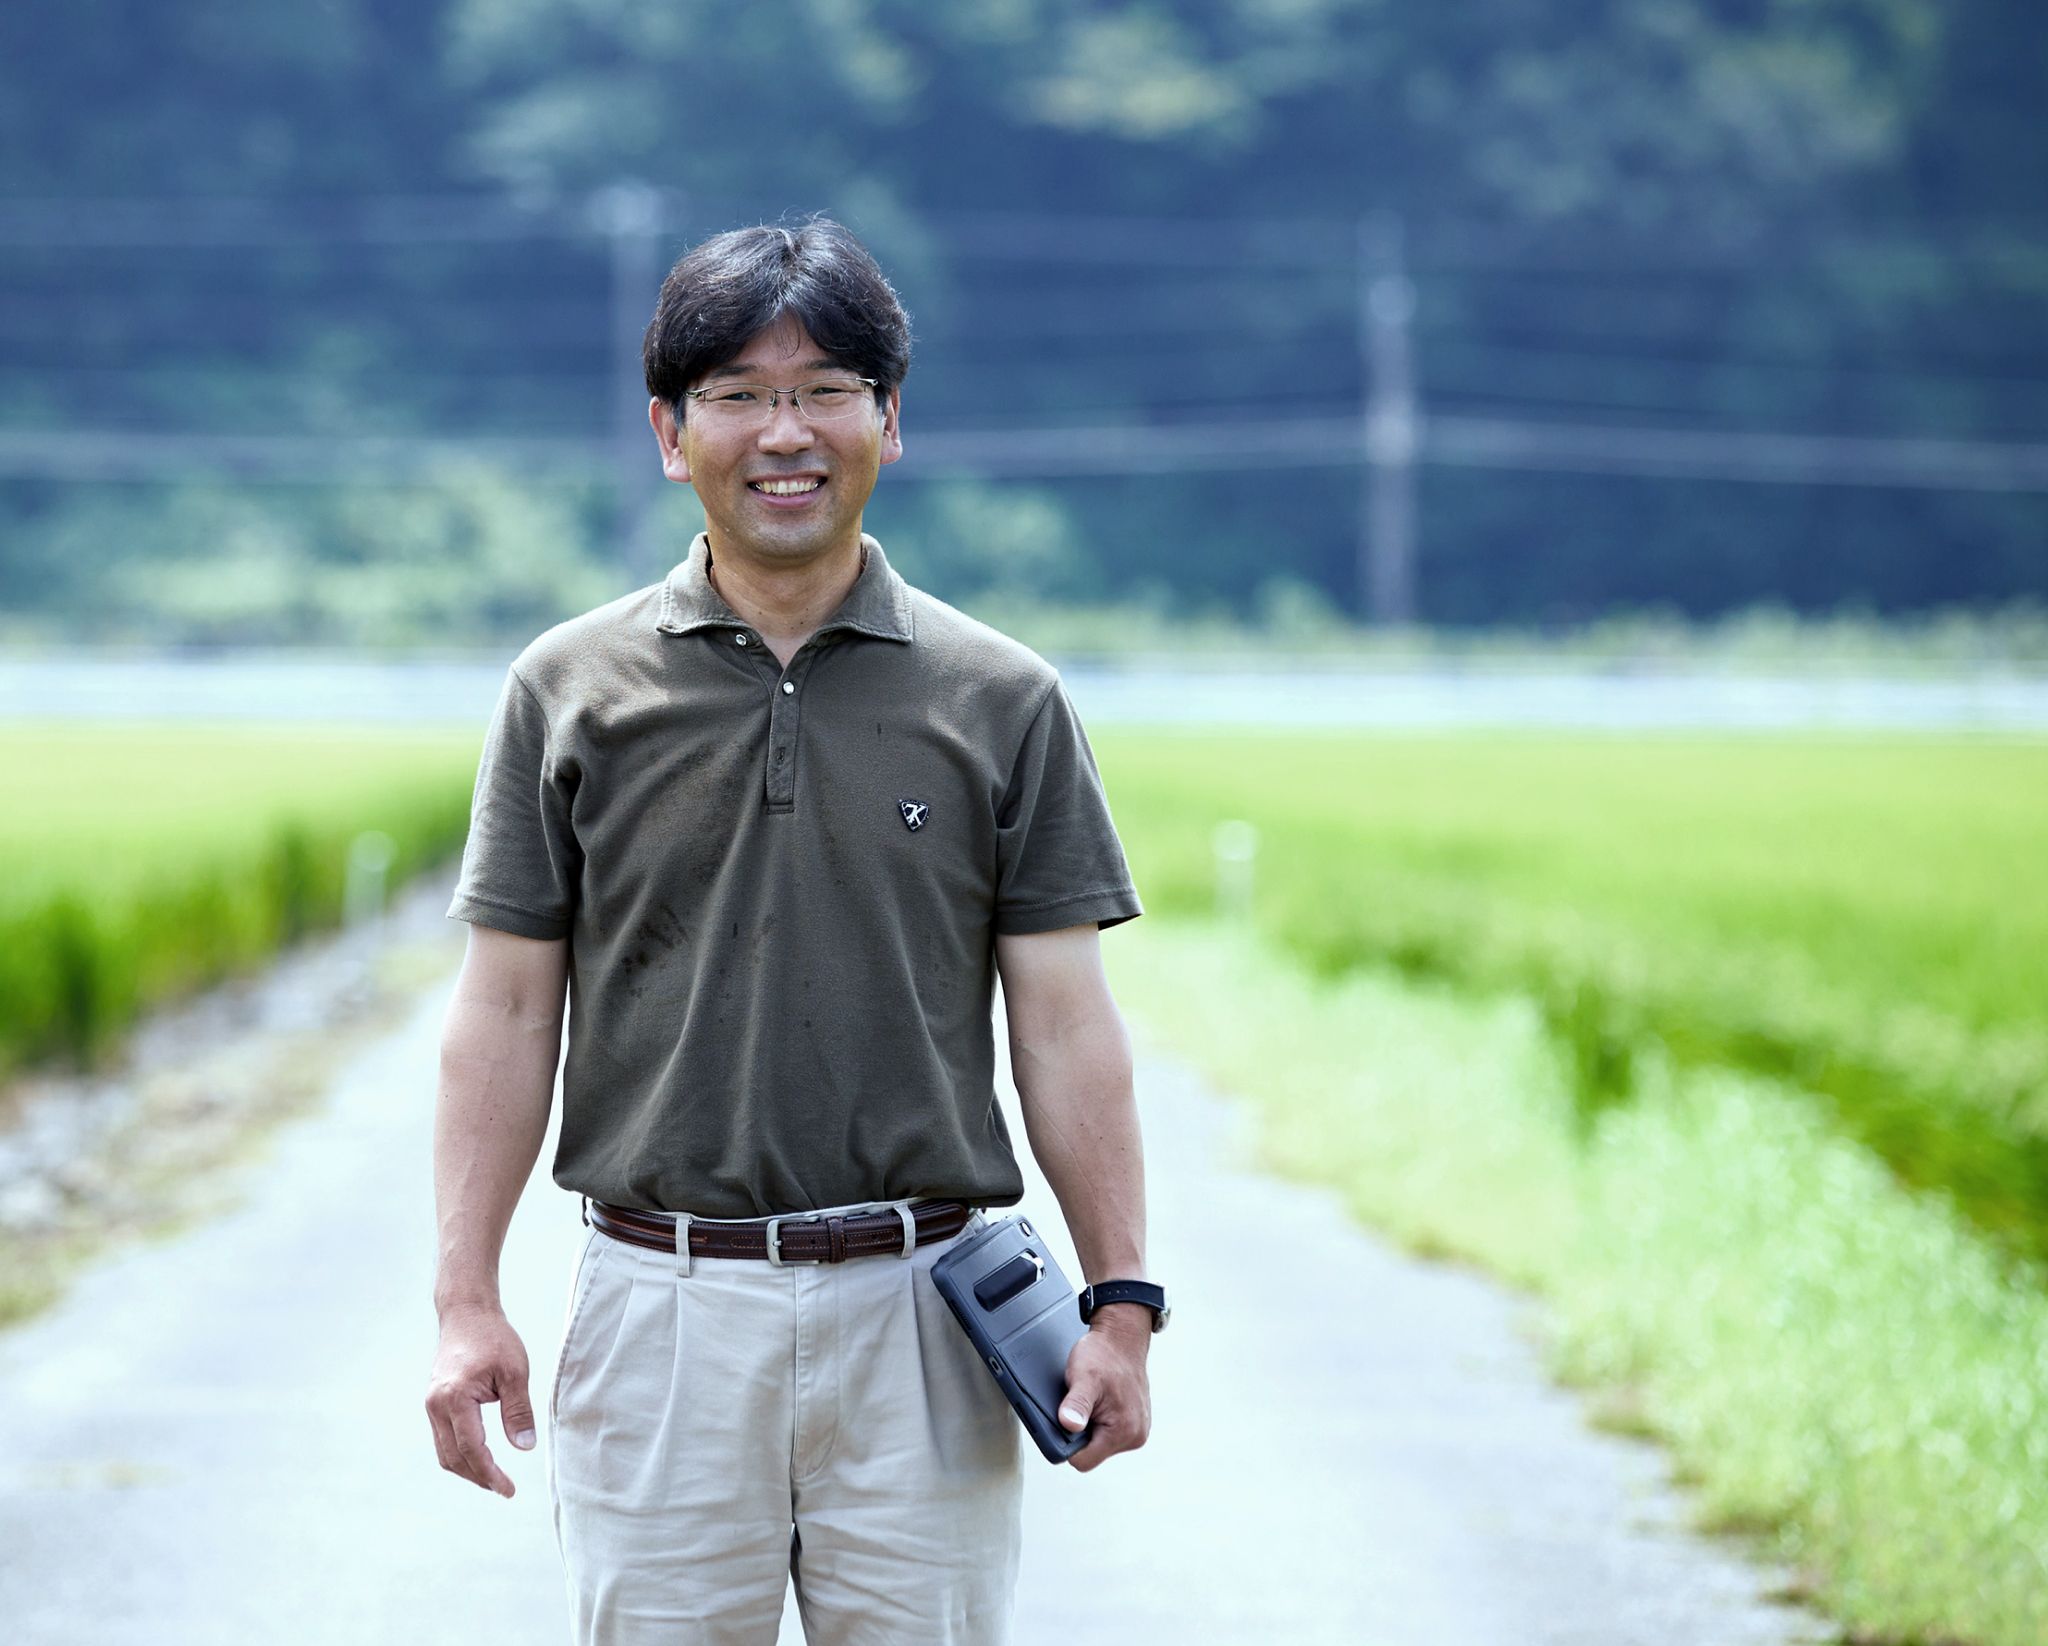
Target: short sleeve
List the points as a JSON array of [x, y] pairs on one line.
[[1058, 860], [521, 863]]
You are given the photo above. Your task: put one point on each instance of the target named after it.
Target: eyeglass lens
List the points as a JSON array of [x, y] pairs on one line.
[[827, 398]]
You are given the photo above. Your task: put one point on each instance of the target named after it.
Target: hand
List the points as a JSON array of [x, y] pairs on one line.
[[480, 1360], [1106, 1384]]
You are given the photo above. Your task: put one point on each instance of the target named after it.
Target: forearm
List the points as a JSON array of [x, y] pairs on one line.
[[497, 1079], [1081, 1117]]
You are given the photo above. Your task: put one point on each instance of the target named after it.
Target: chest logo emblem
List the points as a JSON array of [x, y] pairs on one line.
[[914, 813]]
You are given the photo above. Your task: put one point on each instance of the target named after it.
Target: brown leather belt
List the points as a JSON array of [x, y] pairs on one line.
[[792, 1238]]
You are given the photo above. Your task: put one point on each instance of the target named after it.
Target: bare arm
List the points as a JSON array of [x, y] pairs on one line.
[[1071, 1056], [499, 1047]]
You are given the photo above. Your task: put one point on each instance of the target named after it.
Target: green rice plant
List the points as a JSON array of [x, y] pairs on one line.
[[1866, 918], [1847, 1372], [147, 861]]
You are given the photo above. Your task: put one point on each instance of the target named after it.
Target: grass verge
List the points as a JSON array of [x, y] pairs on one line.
[[1843, 1367]]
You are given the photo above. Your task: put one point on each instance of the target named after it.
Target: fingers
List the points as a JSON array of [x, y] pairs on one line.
[[1108, 1438], [1111, 1403], [1074, 1418], [480, 1361], [516, 1412], [477, 1463], [1079, 1399], [458, 1423], [1113, 1431], [1076, 1411], [1073, 1414]]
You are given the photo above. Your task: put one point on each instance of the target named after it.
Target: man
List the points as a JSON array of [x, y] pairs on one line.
[[778, 823]]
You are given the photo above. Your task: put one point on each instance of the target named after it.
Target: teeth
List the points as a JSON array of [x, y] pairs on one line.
[[786, 488]]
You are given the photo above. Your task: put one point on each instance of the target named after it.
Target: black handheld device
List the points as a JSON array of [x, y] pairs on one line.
[[1023, 1317]]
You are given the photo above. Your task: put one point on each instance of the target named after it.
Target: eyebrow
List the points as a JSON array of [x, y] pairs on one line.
[[743, 369]]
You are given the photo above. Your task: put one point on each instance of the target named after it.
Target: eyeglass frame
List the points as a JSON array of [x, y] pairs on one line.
[[795, 394]]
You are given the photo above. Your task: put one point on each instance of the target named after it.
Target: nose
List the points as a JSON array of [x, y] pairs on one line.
[[787, 429]]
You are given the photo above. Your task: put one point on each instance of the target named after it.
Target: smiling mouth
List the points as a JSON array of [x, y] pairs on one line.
[[787, 488]]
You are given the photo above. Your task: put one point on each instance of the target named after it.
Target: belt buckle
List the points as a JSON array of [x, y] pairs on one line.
[[775, 1243]]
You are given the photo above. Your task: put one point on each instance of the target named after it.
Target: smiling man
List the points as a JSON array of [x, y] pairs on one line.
[[777, 825]]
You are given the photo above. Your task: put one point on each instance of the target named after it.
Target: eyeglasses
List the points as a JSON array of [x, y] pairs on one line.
[[743, 405]]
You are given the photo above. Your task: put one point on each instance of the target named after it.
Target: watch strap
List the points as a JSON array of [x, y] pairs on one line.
[[1125, 1291]]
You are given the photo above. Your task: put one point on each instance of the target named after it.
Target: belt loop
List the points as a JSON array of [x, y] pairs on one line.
[[586, 1209], [683, 1222], [909, 1228]]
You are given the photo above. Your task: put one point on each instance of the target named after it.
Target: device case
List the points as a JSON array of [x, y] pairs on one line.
[[1022, 1316]]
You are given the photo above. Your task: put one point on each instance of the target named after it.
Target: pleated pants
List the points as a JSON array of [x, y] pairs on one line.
[[718, 1434]]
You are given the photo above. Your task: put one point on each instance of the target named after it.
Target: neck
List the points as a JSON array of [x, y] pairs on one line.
[[785, 603]]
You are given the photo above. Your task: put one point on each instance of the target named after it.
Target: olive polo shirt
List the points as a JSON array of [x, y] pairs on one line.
[[781, 887]]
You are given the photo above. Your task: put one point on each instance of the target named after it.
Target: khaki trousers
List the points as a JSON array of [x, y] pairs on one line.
[[717, 1433]]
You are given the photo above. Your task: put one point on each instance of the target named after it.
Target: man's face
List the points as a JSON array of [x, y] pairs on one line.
[[727, 467]]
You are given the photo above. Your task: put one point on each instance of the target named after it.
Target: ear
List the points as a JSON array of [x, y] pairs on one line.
[[892, 426], [668, 435]]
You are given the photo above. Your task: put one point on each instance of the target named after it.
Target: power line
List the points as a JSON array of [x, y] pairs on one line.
[[1047, 453], [1041, 320], [295, 396], [1110, 239], [1492, 355], [374, 219], [1475, 366], [1122, 241], [115, 455], [1493, 401], [1774, 458], [1468, 367], [1598, 254]]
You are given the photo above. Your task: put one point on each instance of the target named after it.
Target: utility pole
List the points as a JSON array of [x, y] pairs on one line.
[[629, 214], [1391, 433]]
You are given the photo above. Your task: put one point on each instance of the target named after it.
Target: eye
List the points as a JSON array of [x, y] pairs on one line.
[[827, 392], [731, 397]]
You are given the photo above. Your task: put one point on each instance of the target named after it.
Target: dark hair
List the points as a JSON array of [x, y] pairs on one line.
[[726, 291]]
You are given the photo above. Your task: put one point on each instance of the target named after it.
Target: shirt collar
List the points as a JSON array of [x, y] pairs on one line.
[[877, 604]]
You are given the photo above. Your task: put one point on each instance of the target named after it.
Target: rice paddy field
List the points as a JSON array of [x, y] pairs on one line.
[[1867, 917], [1735, 1048], [144, 861]]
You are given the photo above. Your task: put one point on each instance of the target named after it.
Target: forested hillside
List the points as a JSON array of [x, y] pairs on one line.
[[310, 329]]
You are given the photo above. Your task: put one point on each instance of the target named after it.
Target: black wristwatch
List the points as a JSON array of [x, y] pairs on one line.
[[1126, 1291]]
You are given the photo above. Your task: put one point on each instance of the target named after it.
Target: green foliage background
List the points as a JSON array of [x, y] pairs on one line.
[[1819, 217]]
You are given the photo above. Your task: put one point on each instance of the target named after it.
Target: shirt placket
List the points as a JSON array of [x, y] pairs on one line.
[[785, 711]]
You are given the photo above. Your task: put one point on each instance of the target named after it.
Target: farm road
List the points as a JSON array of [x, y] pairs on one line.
[[219, 1439]]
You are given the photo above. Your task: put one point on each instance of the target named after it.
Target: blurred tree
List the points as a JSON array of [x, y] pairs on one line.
[[1608, 111], [977, 540], [468, 554], [126, 98], [1621, 211]]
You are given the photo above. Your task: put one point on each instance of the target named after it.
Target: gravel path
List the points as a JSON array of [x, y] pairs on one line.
[[219, 1438]]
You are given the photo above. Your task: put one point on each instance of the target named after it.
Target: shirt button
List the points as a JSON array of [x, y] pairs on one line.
[[789, 685], [739, 640]]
